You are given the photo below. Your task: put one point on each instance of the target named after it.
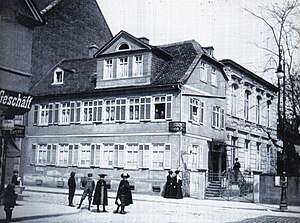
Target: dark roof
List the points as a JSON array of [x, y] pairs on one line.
[[78, 78], [249, 73], [79, 73]]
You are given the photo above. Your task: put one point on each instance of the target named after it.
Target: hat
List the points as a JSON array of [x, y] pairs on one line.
[[102, 175], [90, 174], [170, 172], [236, 158], [125, 175], [177, 171], [16, 171]]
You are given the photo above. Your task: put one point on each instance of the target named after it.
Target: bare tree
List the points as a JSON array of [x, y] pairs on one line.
[[281, 21]]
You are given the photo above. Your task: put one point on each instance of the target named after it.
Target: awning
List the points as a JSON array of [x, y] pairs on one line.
[[13, 151]]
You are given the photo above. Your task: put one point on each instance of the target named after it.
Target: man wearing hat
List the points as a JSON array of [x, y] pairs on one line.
[[14, 179], [124, 196], [72, 188], [88, 190], [100, 195]]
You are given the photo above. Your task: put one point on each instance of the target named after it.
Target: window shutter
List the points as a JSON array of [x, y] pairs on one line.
[[140, 156], [99, 114], [50, 118], [123, 109], [121, 156], [54, 154], [72, 112], [146, 156], [223, 118], [70, 160], [116, 155], [93, 154], [148, 108], [97, 155], [49, 154], [35, 114], [76, 146], [78, 107], [191, 109], [118, 110], [33, 153], [167, 157]]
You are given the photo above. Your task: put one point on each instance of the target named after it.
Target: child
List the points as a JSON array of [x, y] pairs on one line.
[[9, 200]]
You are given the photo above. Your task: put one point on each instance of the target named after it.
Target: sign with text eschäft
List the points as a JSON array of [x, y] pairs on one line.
[[19, 103]]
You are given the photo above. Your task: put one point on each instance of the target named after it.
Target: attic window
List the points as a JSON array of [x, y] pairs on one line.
[[124, 46], [58, 77]]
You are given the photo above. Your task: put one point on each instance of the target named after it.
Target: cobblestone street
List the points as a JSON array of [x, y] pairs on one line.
[[157, 209]]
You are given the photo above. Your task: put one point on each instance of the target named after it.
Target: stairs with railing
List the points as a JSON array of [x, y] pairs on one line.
[[213, 189]]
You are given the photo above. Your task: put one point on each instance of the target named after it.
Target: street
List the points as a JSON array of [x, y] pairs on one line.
[[155, 209]]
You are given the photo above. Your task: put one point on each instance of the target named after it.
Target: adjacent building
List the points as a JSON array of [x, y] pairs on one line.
[[131, 107], [251, 121]]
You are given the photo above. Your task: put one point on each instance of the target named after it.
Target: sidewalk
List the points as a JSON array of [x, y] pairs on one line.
[[30, 210]]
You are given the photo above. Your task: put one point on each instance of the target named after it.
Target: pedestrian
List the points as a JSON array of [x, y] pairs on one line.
[[88, 190], [9, 200], [15, 178], [124, 196], [72, 188], [100, 195], [179, 194], [236, 169], [167, 192]]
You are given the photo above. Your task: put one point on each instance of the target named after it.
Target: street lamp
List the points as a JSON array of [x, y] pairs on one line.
[[281, 75]]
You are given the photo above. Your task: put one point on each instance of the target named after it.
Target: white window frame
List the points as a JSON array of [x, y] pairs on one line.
[[65, 113], [234, 100], [85, 154], [133, 109], [246, 104], [218, 117], [137, 70], [158, 150], [42, 154], [146, 108], [203, 71], [108, 69], [123, 67], [110, 110], [132, 155], [196, 110], [43, 114], [258, 109], [144, 156], [107, 155], [165, 102], [98, 111], [119, 155], [63, 155], [214, 77], [87, 112], [58, 76]]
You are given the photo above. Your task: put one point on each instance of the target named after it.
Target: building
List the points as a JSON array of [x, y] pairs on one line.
[[18, 19], [132, 107], [251, 122]]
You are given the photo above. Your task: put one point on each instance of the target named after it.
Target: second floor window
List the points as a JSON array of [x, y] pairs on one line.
[[162, 107], [218, 117], [258, 109], [122, 67], [44, 114], [65, 112], [246, 105], [234, 100], [137, 66], [196, 110], [203, 72]]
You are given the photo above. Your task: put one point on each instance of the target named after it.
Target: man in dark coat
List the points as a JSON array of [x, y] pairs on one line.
[[124, 196], [100, 195], [72, 188], [14, 179], [88, 191], [236, 169], [167, 193], [9, 200]]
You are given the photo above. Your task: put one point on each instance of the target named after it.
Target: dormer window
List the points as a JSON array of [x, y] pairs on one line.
[[124, 46], [58, 76], [122, 67], [137, 66]]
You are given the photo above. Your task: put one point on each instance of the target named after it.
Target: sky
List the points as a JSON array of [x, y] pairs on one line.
[[223, 24]]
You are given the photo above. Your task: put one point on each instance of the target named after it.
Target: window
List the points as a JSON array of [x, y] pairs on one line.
[[108, 69], [137, 66], [63, 154], [145, 109], [73, 154], [162, 107], [258, 109], [95, 154], [258, 158], [44, 115], [144, 156], [119, 155], [51, 154], [107, 155], [234, 151], [247, 154], [218, 117], [124, 46], [196, 110], [85, 155], [58, 76], [195, 157], [110, 110], [97, 112], [268, 158], [120, 109], [246, 104], [65, 113], [203, 72], [123, 67], [42, 154], [214, 81], [87, 112], [269, 103], [132, 156], [134, 109], [234, 100], [161, 156]]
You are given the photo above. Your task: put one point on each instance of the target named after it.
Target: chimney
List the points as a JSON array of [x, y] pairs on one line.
[[144, 40], [92, 50], [209, 50]]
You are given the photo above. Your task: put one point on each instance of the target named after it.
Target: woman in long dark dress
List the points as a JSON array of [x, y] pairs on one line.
[[100, 195], [179, 194], [167, 193]]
